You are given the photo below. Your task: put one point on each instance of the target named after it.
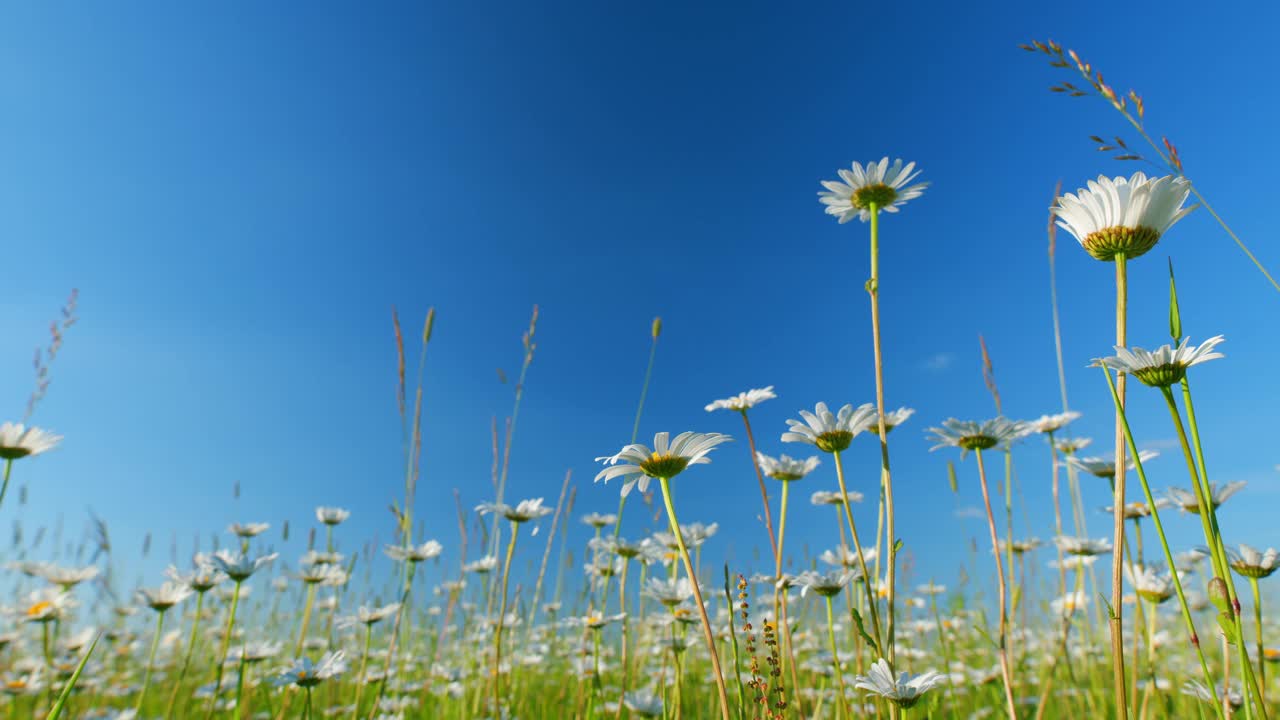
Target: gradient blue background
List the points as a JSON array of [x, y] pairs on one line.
[[243, 192]]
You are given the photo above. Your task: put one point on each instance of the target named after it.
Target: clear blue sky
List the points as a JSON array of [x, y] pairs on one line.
[[243, 191]]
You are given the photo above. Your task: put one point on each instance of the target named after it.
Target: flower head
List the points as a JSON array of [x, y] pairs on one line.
[[596, 520], [1052, 423], [1082, 546], [1123, 215], [332, 515], [1105, 467], [1253, 564], [892, 419], [1218, 494], [1152, 583], [827, 497], [970, 435], [785, 468], [164, 597], [904, 691], [669, 457], [1163, 367], [248, 530], [18, 441], [743, 401], [524, 511], [306, 674], [879, 184], [414, 553], [240, 567], [827, 432], [825, 584]]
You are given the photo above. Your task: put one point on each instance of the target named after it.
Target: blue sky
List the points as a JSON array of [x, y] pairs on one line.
[[243, 192]]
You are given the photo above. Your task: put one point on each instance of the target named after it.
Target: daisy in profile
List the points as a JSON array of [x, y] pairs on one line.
[[644, 703], [637, 464], [1152, 583], [893, 419], [877, 184], [164, 597], [307, 674], [1105, 467], [247, 530], [1069, 603], [18, 441], [332, 515], [1082, 546], [1123, 216], [904, 691], [827, 497], [971, 435], [827, 432], [1139, 509], [524, 511], [483, 565], [1218, 494], [240, 567], [826, 584], [1252, 563], [785, 468], [598, 521], [414, 553], [1048, 424], [743, 401], [1164, 366]]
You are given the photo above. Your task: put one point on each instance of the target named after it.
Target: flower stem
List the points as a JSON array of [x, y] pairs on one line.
[[1257, 622], [835, 655], [364, 665], [306, 620], [186, 660], [1164, 542], [1117, 558], [151, 661], [226, 645], [697, 594], [886, 481], [862, 560], [4, 488], [502, 618], [1006, 670]]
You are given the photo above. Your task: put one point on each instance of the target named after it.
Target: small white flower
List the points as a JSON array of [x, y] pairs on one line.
[[1105, 467], [1123, 215], [164, 597], [785, 468], [905, 691], [881, 184], [827, 497], [743, 401], [332, 515], [524, 511], [1189, 503], [970, 435], [18, 441], [1053, 423], [240, 567], [1251, 563], [825, 584], [827, 432], [248, 530], [305, 673], [1082, 546], [636, 463], [414, 553], [596, 520], [485, 564], [1166, 365]]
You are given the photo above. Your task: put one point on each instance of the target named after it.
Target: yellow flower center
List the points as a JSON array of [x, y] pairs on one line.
[[39, 608]]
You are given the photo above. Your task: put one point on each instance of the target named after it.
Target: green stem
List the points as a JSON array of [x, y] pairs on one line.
[[364, 665], [1117, 559], [151, 660], [502, 619], [1164, 542], [4, 488], [1006, 670], [226, 645], [835, 655], [306, 620], [862, 560], [186, 660], [697, 594]]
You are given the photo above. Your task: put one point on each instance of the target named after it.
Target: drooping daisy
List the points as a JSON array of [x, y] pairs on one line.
[[19, 441], [524, 511], [879, 184], [970, 435], [332, 515], [1251, 563], [827, 432], [636, 463], [1189, 503], [1105, 467], [785, 468], [743, 401], [1052, 423], [1166, 365], [1123, 215], [905, 691], [1082, 546], [414, 553]]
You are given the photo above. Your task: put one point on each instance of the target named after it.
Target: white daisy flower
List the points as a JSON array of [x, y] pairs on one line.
[[825, 584], [1138, 509], [905, 691], [1070, 446], [164, 597], [1253, 564], [827, 497], [1082, 546], [892, 419], [881, 184], [827, 432], [485, 564], [202, 578], [248, 530], [332, 515], [669, 457], [645, 703], [64, 577], [1189, 503], [970, 435], [414, 553], [1069, 603], [240, 567], [1123, 215], [596, 520], [1164, 367], [1152, 583], [46, 605], [785, 468], [524, 511], [1105, 467], [306, 674], [18, 441], [743, 401], [1053, 423]]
